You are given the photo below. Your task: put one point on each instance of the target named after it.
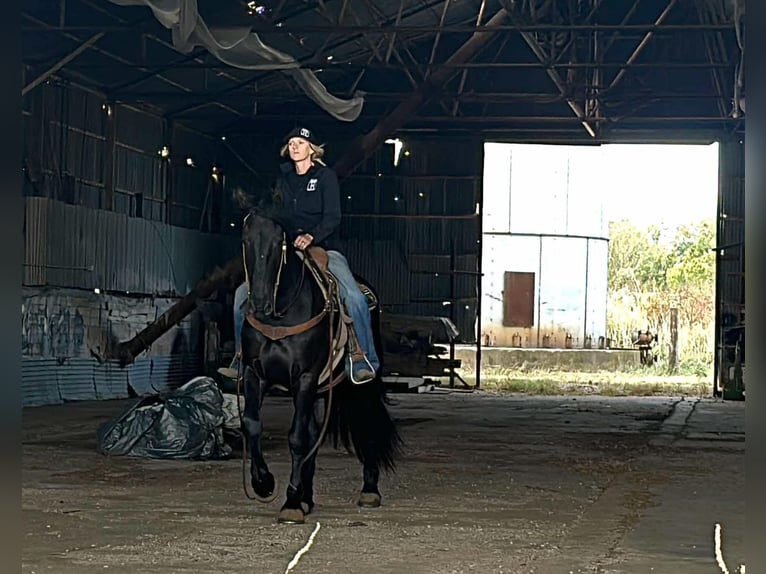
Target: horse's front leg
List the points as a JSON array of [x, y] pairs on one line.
[[309, 466], [300, 444], [261, 479]]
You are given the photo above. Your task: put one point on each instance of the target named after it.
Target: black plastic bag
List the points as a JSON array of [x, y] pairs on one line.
[[184, 424]]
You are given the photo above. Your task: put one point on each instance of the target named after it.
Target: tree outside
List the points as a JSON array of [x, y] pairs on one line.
[[654, 269]]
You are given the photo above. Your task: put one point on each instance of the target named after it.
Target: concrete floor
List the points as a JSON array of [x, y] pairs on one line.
[[489, 484]]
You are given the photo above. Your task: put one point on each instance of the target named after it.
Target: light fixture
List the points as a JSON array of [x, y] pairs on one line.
[[164, 153], [189, 162], [421, 194], [398, 146], [396, 198], [232, 224], [348, 197], [97, 291], [215, 174], [329, 58], [223, 138], [255, 8]]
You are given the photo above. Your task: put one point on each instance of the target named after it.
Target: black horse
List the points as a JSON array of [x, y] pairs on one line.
[[285, 341]]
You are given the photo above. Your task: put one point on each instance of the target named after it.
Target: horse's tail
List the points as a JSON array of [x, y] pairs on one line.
[[359, 417]]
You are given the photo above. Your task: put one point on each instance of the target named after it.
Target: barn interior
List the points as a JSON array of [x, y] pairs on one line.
[[141, 120]]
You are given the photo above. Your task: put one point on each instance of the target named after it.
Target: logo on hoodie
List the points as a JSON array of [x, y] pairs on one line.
[[312, 184]]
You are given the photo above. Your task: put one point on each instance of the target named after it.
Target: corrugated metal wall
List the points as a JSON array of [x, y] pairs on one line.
[[105, 211], [82, 150], [730, 255], [406, 225], [51, 381], [78, 247]]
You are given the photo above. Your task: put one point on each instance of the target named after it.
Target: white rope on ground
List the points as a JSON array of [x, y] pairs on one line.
[[302, 551], [718, 553]]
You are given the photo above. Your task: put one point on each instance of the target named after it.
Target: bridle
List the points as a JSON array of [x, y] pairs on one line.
[[282, 262]]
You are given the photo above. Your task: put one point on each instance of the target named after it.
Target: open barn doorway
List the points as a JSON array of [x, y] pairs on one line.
[[599, 267]]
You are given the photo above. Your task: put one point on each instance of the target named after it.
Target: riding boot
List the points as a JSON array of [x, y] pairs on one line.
[[359, 368]]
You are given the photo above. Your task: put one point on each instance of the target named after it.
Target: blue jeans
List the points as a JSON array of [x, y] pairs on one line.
[[352, 297], [356, 305], [240, 296]]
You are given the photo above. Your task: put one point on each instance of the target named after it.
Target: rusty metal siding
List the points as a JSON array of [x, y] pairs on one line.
[[74, 246], [425, 207]]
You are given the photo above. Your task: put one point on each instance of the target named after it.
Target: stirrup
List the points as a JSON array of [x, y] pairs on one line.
[[351, 371], [228, 372]]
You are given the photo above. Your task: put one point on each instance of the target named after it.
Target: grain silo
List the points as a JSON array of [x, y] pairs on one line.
[[545, 251]]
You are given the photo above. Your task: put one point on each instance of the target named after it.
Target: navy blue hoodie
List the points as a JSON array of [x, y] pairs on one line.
[[310, 203]]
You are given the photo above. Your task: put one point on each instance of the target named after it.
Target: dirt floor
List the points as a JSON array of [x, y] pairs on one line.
[[489, 484]]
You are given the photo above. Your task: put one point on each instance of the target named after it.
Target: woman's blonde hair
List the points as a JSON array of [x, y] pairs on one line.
[[317, 152]]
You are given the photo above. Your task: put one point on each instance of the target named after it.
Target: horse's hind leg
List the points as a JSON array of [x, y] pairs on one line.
[[370, 495], [300, 444], [309, 467], [261, 479]]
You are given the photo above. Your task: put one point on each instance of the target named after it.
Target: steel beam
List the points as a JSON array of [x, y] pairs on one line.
[[616, 33], [637, 52], [409, 107], [435, 45], [432, 28], [61, 63], [464, 74], [469, 96], [393, 36], [552, 73]]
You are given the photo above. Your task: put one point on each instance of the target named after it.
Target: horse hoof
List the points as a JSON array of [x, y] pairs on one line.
[[291, 516], [369, 500], [266, 490]]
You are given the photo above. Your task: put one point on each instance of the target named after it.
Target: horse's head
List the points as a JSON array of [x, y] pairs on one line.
[[264, 251]]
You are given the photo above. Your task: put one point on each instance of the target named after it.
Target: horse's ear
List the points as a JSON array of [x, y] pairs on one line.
[[243, 199]]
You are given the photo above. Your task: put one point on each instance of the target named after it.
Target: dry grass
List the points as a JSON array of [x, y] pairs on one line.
[[640, 382]]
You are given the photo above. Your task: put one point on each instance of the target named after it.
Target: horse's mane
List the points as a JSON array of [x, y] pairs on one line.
[[268, 206]]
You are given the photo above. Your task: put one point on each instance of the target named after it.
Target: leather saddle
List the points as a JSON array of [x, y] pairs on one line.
[[343, 337], [318, 262]]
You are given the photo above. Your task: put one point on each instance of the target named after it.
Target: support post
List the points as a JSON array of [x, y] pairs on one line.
[[452, 310], [127, 351], [673, 360]]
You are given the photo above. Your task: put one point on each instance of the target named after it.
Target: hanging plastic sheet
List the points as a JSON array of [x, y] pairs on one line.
[[242, 48]]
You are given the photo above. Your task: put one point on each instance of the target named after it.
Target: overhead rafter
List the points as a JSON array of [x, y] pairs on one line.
[[409, 107], [641, 45], [61, 63], [537, 50]]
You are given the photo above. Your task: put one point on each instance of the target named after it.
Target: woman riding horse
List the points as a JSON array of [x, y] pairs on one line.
[[310, 209], [287, 337]]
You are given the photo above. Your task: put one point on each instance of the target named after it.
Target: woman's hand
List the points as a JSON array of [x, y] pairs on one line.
[[303, 241]]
